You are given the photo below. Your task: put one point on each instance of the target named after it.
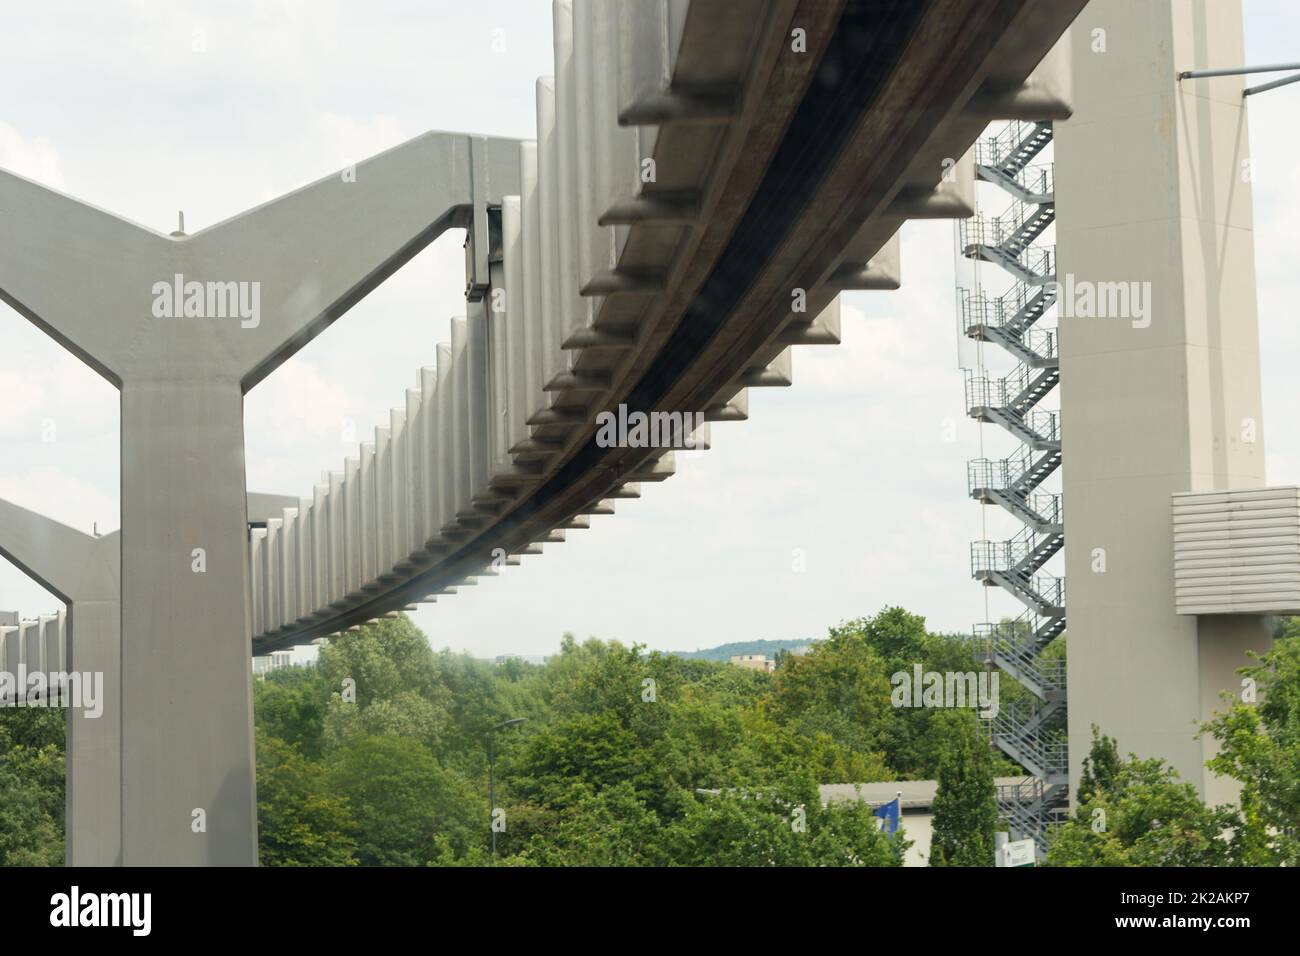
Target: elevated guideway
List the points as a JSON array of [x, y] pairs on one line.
[[707, 178]]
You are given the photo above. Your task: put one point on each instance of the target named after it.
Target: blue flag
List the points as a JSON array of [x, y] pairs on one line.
[[890, 813]]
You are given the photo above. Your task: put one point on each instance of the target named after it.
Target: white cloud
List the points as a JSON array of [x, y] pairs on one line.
[[335, 142], [61, 496], [35, 158], [298, 402], [23, 399]]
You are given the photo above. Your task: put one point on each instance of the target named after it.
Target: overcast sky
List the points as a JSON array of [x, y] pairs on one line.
[[147, 107]]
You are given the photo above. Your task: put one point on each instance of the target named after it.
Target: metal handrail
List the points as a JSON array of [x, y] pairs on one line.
[[1038, 178], [1013, 301], [1042, 342], [997, 149], [1000, 311], [1050, 588], [1002, 391], [1045, 424], [1047, 505], [1040, 260], [999, 472], [983, 392], [999, 230], [1005, 555], [1028, 790], [990, 473], [1049, 752], [997, 640], [985, 230], [1035, 179], [1018, 639], [1012, 723], [995, 392]]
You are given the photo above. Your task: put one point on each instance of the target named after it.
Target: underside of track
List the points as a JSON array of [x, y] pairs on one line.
[[708, 177]]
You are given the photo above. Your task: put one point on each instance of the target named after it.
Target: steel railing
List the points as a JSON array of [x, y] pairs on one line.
[[999, 473], [1009, 554], [1022, 638], [1008, 309], [987, 391]]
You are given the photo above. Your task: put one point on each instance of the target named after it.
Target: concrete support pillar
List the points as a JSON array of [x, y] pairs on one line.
[[1164, 397], [83, 571], [187, 741], [93, 781]]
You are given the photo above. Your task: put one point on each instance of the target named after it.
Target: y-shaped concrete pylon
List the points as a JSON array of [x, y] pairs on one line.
[[96, 283], [82, 571]]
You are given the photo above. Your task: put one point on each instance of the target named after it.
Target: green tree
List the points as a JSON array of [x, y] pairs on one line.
[[838, 692], [629, 757], [611, 827], [289, 704], [965, 804], [407, 809], [562, 764], [31, 787], [783, 824], [300, 822], [1101, 768], [837, 696], [33, 727], [1138, 813], [1259, 745]]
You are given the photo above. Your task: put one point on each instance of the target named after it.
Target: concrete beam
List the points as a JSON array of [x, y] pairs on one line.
[[311, 255]]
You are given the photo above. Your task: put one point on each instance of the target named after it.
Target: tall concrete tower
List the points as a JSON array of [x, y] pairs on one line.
[[1160, 382]]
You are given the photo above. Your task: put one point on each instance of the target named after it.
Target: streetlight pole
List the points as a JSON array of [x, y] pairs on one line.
[[492, 790]]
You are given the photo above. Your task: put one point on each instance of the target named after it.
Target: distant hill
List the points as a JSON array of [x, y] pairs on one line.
[[724, 652]]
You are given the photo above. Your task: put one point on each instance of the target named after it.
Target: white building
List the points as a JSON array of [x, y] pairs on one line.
[[916, 797]]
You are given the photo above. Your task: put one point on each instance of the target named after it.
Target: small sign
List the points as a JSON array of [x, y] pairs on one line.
[[1019, 853]]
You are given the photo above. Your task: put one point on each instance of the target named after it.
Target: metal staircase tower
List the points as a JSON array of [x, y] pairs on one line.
[[1033, 735]]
